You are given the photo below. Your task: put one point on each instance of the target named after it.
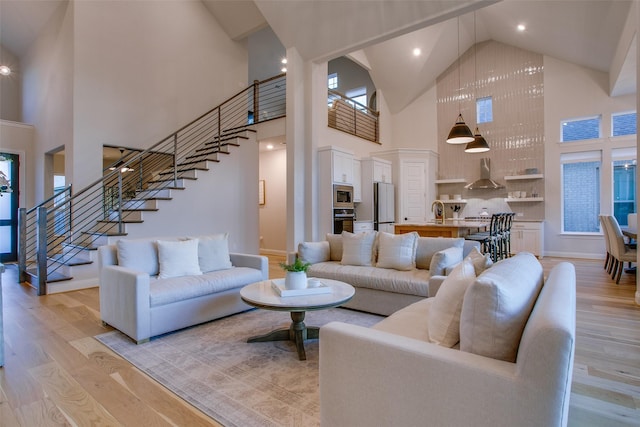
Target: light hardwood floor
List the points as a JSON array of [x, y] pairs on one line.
[[56, 374]]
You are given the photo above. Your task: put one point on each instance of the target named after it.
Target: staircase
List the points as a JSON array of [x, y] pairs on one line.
[[58, 239]]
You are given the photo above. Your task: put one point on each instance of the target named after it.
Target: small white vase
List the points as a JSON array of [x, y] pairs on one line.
[[295, 280]]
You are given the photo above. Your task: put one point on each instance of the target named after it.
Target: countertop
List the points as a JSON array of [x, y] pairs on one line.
[[447, 223]]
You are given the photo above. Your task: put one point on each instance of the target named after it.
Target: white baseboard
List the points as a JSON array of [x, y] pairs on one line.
[[273, 252], [580, 255], [71, 285]]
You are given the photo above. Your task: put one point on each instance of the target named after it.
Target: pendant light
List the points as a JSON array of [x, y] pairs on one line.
[[479, 144], [460, 132]]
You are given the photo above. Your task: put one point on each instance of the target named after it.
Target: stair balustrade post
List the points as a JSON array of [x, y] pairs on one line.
[[41, 250], [120, 224], [175, 159], [220, 126], [256, 100], [22, 245]]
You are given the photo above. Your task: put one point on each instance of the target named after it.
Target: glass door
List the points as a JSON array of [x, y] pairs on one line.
[[8, 207]]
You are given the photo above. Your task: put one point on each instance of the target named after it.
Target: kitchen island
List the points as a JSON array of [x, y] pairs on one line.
[[450, 228]]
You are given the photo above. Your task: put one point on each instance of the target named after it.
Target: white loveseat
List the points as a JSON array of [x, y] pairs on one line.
[[388, 271], [512, 365], [153, 286]]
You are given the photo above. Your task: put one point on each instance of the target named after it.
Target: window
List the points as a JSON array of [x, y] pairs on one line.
[[359, 95], [581, 191], [332, 81], [579, 129], [623, 124], [624, 183], [484, 110]]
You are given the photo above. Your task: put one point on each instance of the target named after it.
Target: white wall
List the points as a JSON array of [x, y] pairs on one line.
[[17, 138], [143, 70], [416, 126], [47, 91], [222, 200], [273, 214], [11, 99], [571, 91]]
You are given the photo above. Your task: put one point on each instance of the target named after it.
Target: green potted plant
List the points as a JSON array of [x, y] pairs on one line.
[[296, 276]]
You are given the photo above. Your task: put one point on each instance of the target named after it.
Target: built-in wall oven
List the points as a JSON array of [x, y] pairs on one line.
[[343, 209], [343, 220]]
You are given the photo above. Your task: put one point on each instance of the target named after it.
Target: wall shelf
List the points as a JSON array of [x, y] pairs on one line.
[[525, 199], [521, 177], [451, 181]]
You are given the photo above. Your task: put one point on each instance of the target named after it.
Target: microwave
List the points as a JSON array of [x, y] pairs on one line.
[[343, 196]]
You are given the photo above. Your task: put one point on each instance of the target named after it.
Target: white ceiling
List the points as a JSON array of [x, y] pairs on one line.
[[585, 32]]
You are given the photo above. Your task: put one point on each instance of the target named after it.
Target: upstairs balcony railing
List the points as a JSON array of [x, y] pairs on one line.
[[56, 231], [349, 116]]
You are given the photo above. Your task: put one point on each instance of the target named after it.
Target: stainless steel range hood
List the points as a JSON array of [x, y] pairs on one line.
[[485, 181]]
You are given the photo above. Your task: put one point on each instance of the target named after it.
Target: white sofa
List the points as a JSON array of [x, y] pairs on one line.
[[153, 286], [512, 366], [385, 280]]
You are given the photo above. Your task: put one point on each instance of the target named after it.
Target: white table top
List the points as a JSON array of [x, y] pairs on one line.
[[262, 295]]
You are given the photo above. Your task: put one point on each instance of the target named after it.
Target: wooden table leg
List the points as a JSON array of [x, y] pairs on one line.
[[297, 332]]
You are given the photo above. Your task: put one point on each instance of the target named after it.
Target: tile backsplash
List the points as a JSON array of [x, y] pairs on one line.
[[514, 79]]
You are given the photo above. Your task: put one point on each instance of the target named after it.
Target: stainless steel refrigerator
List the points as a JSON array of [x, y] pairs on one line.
[[384, 209]]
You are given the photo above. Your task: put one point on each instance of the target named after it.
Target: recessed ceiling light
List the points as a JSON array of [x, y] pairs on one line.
[[269, 146], [417, 51], [283, 69], [4, 70], [521, 27], [284, 60]]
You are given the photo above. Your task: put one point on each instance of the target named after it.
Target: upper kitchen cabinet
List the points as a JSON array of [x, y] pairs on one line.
[[357, 181], [341, 163], [381, 170]]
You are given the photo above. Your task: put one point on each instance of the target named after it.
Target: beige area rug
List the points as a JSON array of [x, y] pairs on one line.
[[237, 383]]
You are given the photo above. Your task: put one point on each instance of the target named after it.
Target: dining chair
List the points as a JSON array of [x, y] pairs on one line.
[[619, 250], [608, 260]]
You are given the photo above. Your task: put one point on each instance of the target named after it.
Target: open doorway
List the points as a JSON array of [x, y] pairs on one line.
[[9, 185]]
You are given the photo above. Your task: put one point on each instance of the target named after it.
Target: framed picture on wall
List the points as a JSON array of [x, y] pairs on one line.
[[261, 192]]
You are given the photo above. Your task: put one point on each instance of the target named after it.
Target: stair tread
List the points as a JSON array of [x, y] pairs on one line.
[[102, 233], [79, 245], [51, 277], [70, 261], [115, 221]]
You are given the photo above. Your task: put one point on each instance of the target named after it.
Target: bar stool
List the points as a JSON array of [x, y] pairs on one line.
[[489, 239]]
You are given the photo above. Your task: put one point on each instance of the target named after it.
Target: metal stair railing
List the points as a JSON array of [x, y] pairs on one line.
[[58, 230]]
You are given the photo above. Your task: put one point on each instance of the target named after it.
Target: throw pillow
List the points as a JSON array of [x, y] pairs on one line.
[[314, 252], [397, 251], [335, 246], [497, 305], [427, 246], [140, 255], [357, 249], [213, 252], [445, 258], [444, 315], [178, 258], [480, 262]]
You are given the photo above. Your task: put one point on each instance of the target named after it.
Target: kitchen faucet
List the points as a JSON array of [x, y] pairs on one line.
[[439, 212]]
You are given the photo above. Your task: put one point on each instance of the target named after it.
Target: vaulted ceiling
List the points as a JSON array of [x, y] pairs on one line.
[[598, 34]]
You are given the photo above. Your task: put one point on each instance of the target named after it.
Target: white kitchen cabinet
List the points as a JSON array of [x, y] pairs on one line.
[[342, 166], [362, 226], [527, 236], [381, 170], [335, 166], [357, 181]]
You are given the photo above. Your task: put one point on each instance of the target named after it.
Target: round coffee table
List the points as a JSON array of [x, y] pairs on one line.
[[262, 295]]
